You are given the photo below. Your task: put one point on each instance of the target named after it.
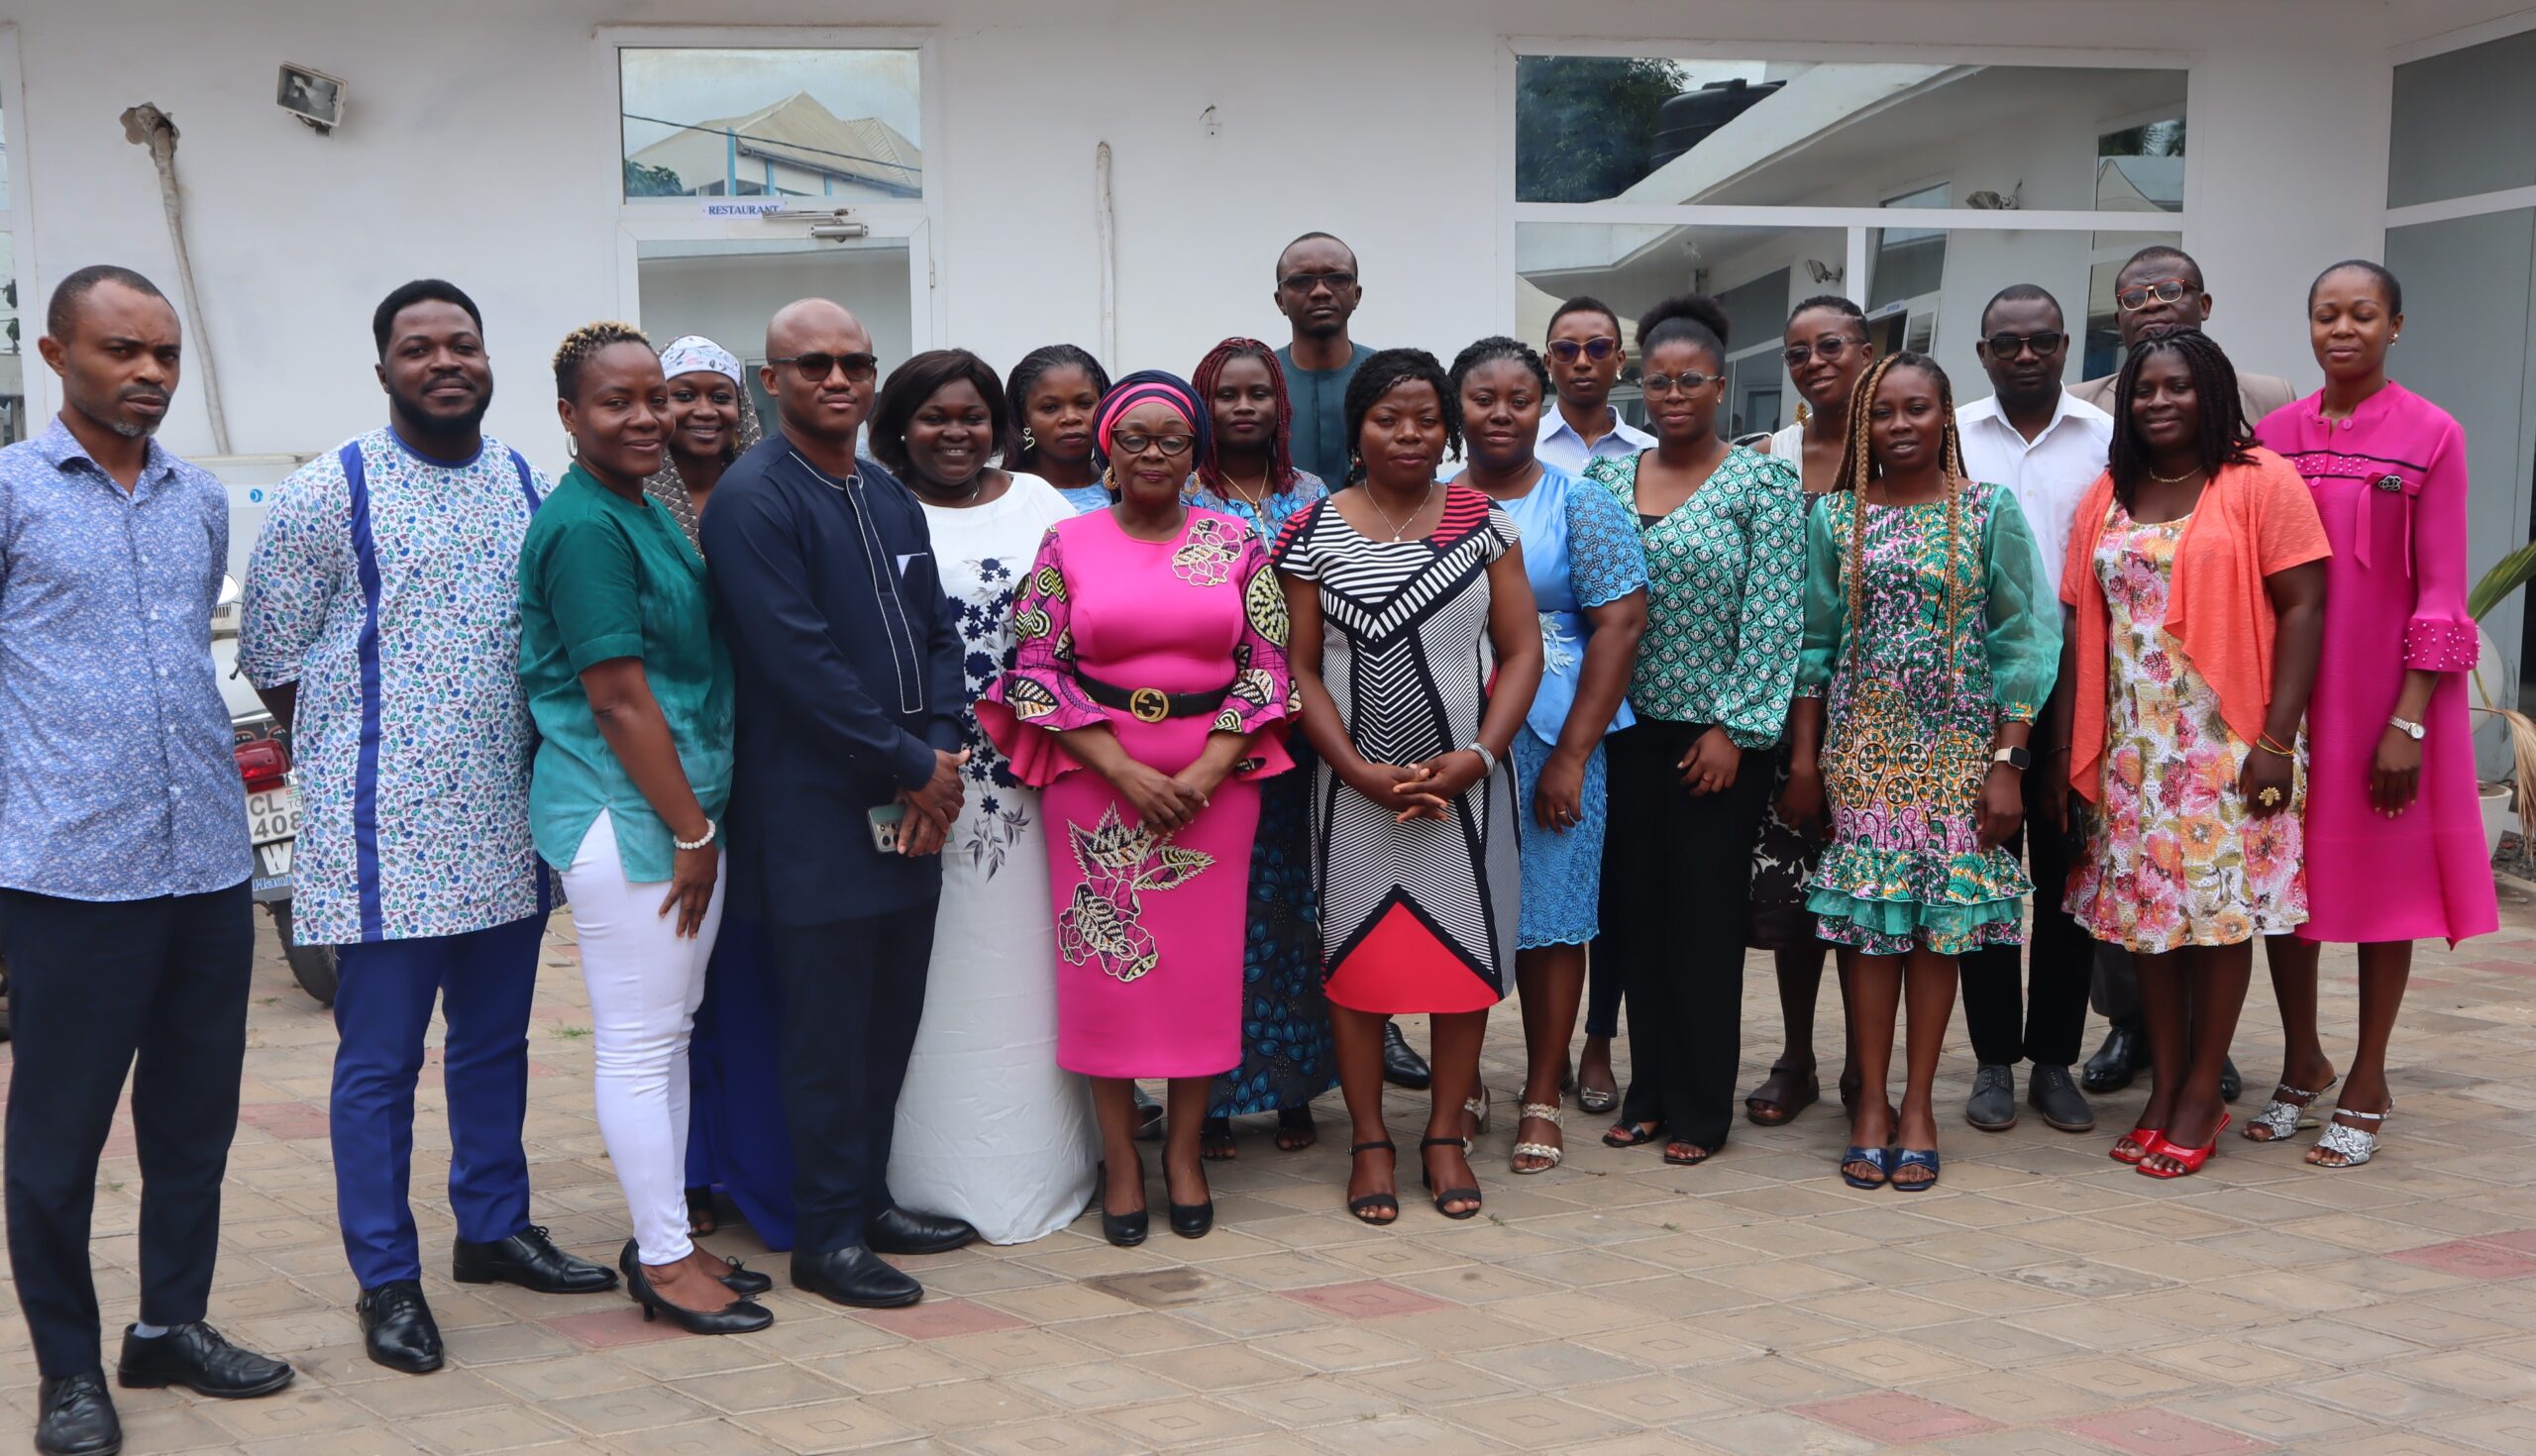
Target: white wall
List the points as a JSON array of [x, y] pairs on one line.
[[480, 148]]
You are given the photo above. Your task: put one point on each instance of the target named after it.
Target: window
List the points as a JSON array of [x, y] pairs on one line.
[[826, 123], [1919, 187], [15, 338]]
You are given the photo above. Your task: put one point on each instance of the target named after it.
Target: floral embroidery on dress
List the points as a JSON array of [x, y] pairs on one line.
[[1207, 557], [985, 622], [1560, 651], [1103, 925]]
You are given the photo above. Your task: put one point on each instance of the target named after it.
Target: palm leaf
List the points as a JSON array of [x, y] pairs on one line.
[[2506, 575]]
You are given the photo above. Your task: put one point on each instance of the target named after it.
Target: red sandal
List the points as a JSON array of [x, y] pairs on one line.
[[2144, 1139], [2191, 1157]]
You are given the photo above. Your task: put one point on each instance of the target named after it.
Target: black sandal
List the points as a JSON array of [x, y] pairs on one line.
[[1376, 1203], [1450, 1194], [1215, 1140], [702, 1216], [1295, 1131], [1633, 1134]]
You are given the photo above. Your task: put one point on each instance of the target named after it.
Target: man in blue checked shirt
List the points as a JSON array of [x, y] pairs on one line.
[[383, 624], [124, 911]]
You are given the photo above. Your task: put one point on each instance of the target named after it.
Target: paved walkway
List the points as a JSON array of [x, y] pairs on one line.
[[2044, 1299]]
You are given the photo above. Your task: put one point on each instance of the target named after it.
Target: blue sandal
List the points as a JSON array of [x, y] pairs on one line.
[[1914, 1158], [1875, 1156]]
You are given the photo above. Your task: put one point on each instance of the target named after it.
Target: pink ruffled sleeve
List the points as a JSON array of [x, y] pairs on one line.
[[2440, 637], [1263, 699], [1038, 697]]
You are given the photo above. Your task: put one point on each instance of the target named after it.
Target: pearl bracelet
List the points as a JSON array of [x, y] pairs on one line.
[[711, 829]]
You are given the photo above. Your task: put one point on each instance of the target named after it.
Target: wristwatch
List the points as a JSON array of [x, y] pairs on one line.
[[2409, 729], [2014, 757]]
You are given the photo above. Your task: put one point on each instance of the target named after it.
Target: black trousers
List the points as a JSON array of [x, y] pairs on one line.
[[2060, 957], [1677, 888], [853, 994], [156, 989]]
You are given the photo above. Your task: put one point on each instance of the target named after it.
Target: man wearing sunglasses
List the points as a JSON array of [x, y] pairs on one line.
[[1318, 291], [846, 658], [2159, 291], [1585, 355], [2045, 446]]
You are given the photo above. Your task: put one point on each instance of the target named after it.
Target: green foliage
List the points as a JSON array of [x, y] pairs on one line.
[[2506, 575], [1585, 125], [642, 179]]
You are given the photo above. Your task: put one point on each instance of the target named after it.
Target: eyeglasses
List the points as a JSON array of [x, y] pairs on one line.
[[2163, 291], [815, 369], [1598, 350], [1687, 381], [1307, 283], [2007, 346], [1831, 346], [1169, 445]]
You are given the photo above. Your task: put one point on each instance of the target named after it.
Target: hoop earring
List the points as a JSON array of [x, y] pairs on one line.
[[572, 445]]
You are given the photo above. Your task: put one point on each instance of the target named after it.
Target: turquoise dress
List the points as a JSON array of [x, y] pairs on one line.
[[1286, 1058], [1580, 551]]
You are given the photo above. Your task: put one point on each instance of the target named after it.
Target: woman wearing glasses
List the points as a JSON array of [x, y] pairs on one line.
[[1721, 529], [1825, 350], [1150, 653]]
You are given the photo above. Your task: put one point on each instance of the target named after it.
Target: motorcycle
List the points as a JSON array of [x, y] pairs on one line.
[[263, 751]]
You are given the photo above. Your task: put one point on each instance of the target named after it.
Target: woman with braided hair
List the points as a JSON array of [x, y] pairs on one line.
[[1247, 471], [2196, 584], [1929, 652], [1055, 390]]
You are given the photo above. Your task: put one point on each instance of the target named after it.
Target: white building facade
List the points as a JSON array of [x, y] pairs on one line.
[[941, 169]]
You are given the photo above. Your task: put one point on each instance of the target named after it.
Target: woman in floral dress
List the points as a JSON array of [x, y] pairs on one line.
[[990, 1128], [2196, 584], [1929, 651]]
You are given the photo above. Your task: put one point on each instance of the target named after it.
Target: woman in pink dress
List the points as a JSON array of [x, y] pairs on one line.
[[1150, 650], [2394, 835]]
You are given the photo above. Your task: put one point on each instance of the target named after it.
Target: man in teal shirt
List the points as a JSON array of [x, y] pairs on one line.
[[1317, 292]]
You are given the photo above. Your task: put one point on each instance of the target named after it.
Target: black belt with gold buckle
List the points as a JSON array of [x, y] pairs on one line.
[[1152, 704]]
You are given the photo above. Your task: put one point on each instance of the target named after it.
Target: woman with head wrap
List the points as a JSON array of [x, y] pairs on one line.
[[711, 424], [1150, 651]]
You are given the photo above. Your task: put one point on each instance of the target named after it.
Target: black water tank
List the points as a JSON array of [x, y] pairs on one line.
[[1685, 121]]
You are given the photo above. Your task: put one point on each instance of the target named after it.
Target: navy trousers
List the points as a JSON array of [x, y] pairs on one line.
[[853, 994], [483, 980], [155, 988]]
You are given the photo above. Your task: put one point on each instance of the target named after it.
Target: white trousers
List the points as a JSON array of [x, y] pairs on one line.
[[645, 980]]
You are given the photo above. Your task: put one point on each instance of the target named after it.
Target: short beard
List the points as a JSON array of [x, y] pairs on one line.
[[127, 428], [442, 427]]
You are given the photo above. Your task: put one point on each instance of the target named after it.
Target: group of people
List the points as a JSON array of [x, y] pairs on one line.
[[980, 744]]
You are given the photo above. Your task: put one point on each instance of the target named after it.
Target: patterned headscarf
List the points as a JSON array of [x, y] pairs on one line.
[[1147, 386], [694, 354]]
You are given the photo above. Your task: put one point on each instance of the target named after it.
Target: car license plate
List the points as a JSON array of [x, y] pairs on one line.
[[273, 815]]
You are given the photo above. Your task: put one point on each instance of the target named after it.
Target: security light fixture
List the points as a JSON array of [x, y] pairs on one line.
[[314, 97]]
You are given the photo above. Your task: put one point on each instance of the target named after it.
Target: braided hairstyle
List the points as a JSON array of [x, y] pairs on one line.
[[1859, 467], [1281, 455], [1034, 366], [584, 343], [1491, 350], [1383, 372], [2224, 434]]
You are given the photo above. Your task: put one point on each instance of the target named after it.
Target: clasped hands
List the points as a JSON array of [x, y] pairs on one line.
[[933, 805]]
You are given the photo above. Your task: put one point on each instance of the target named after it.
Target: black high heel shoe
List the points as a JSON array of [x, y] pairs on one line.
[[1125, 1230], [1450, 1194], [1190, 1220], [740, 1281], [737, 1317]]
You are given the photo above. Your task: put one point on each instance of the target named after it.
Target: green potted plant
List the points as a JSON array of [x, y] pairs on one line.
[[2498, 584]]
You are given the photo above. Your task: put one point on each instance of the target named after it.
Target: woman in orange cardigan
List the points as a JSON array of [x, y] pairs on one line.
[[2196, 583]]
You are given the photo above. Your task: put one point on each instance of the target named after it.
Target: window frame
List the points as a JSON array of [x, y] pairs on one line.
[[17, 219], [2446, 209]]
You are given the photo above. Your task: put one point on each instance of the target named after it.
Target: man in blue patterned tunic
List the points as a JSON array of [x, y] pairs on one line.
[[382, 624], [123, 861]]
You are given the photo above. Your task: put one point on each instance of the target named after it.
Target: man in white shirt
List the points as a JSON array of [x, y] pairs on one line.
[[1585, 358], [2046, 447]]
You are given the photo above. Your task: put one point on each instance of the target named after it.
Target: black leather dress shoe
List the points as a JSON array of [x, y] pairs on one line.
[[1401, 1065], [77, 1418], [2053, 1093], [196, 1356], [905, 1231], [397, 1329], [2110, 1070], [1992, 1107], [855, 1276], [531, 1261], [2232, 1083]]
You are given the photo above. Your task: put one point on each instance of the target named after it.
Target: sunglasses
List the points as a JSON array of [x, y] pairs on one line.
[[1830, 347], [1169, 445], [1598, 350], [2008, 346], [2163, 291], [1305, 282], [815, 369], [1687, 381]]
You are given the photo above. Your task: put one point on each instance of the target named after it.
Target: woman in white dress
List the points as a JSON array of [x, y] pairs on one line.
[[989, 1128]]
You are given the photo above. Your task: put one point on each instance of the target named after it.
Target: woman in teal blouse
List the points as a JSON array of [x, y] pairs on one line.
[[1723, 532], [632, 694]]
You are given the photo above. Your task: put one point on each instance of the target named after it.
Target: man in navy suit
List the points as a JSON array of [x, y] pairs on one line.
[[847, 663]]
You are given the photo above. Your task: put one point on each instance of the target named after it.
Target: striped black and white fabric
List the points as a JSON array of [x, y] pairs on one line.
[[1417, 916]]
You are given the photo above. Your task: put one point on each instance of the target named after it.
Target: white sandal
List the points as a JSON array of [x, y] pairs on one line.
[[1478, 1109], [2355, 1145], [2281, 1117], [1545, 1112]]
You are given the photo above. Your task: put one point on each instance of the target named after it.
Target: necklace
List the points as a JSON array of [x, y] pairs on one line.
[[977, 486], [1257, 500], [2174, 480], [1400, 529]]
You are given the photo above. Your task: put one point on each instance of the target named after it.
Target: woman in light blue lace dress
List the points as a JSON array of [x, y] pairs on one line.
[[1588, 575]]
